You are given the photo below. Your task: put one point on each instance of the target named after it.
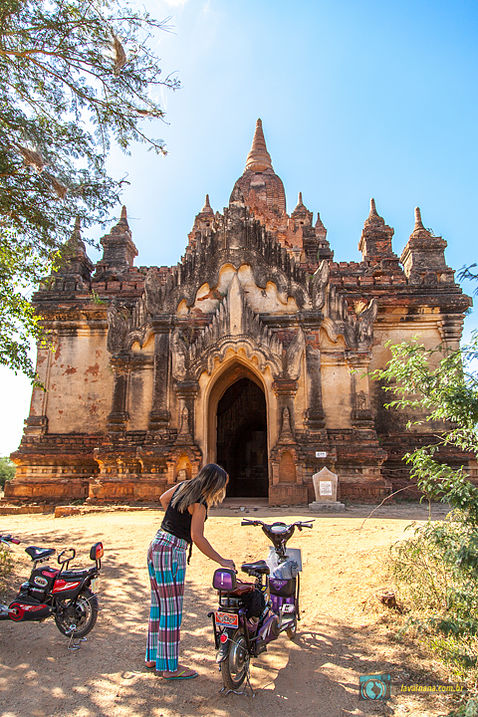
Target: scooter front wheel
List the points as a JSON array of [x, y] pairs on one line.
[[234, 668], [77, 617]]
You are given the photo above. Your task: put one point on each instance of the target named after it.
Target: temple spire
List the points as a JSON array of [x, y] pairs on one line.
[[418, 219], [207, 207], [75, 238], [258, 158], [376, 240], [75, 263], [123, 216]]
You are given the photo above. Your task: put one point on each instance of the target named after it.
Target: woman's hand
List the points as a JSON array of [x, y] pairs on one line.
[[227, 564]]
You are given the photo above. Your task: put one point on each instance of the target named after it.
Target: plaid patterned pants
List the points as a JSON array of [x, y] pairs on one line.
[[167, 569]]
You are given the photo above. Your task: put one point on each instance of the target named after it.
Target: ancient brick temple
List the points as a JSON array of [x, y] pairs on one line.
[[253, 351]]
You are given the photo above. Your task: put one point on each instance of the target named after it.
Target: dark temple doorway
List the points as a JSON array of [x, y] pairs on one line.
[[242, 439]]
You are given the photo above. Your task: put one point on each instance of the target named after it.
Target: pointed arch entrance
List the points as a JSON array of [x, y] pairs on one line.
[[238, 432], [242, 439]]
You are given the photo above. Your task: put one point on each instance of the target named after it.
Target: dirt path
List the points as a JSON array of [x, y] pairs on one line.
[[318, 675]]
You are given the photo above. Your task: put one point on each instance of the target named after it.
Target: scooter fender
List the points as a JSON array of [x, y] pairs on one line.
[[224, 645], [68, 585]]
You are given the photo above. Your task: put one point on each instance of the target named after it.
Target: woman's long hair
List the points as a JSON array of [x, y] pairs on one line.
[[208, 486]]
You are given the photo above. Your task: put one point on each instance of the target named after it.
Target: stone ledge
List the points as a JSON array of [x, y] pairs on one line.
[[24, 509], [63, 511], [331, 506]]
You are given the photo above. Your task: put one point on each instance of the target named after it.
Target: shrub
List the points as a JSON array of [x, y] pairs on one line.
[[6, 566], [7, 471]]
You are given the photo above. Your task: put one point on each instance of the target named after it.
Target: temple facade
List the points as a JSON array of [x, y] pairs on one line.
[[254, 352]]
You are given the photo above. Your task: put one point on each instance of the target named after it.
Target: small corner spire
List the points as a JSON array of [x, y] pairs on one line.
[[300, 198], [124, 216], [75, 245], [373, 216], [319, 224], [207, 209], [418, 219], [75, 241], [258, 158]]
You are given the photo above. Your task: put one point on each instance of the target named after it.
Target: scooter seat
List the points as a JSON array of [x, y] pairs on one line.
[[39, 553], [259, 567]]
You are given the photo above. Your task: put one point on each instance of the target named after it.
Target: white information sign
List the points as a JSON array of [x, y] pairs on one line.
[[321, 454], [325, 487]]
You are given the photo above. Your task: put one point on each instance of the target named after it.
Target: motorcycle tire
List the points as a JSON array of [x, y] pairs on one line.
[[235, 667], [81, 612]]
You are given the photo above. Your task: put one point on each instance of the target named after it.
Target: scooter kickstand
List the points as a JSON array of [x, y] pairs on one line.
[[240, 692], [75, 645]]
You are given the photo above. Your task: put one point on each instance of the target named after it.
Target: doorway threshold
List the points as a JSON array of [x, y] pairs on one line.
[[248, 502]]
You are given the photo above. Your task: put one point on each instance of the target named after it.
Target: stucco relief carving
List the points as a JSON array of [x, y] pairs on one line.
[[180, 355], [294, 355], [119, 320], [359, 328], [152, 291], [318, 284]]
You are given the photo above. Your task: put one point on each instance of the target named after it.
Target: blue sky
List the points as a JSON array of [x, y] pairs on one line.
[[357, 99]]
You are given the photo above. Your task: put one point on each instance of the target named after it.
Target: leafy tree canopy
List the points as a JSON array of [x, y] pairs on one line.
[[75, 75]]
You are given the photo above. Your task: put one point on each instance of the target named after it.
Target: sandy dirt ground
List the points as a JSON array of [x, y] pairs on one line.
[[344, 632]]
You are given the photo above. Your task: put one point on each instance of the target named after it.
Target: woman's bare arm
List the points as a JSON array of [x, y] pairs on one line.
[[198, 512]]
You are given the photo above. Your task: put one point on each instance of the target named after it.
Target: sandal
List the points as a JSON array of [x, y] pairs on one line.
[[150, 665], [183, 675]]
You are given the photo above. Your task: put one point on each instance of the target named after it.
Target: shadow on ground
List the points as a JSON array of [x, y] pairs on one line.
[[317, 674]]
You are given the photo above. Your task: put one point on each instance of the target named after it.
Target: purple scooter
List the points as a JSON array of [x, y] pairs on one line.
[[251, 615]]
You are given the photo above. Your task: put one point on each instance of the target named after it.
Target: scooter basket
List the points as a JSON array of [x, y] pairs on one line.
[[284, 588]]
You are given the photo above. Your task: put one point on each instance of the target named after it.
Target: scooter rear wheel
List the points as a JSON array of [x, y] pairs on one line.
[[80, 613], [234, 668]]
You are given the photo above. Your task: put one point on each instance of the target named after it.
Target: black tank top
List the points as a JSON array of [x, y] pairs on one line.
[[177, 523]]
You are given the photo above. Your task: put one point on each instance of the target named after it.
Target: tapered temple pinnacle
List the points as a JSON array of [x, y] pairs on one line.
[[258, 158], [418, 219]]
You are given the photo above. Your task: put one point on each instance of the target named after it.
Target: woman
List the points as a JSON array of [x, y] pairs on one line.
[[186, 509]]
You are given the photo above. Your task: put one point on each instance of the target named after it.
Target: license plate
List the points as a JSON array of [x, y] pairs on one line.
[[94, 584], [227, 619]]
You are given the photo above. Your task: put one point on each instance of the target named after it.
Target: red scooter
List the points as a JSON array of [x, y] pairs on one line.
[[67, 595]]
